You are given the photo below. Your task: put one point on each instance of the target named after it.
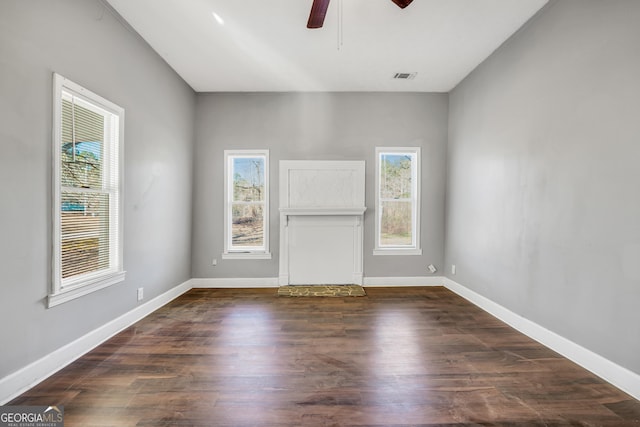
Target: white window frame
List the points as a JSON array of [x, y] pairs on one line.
[[67, 289], [414, 248], [244, 252]]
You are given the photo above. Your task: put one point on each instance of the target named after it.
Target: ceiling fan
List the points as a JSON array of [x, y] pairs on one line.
[[319, 10]]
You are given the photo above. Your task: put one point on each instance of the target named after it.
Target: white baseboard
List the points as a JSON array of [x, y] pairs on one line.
[[22, 380], [620, 377], [235, 282], [274, 282], [404, 281]]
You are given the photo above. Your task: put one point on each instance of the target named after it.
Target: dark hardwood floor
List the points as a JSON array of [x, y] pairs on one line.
[[397, 357]]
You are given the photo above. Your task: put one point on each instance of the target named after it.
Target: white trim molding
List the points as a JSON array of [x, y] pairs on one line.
[[397, 252], [616, 375], [235, 282], [246, 255], [404, 281], [273, 282], [414, 153], [22, 380], [245, 252], [71, 283], [90, 286]]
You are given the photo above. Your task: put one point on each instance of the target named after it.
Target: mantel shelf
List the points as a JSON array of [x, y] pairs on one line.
[[323, 211]]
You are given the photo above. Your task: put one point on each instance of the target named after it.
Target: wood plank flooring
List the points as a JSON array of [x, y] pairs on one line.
[[397, 357]]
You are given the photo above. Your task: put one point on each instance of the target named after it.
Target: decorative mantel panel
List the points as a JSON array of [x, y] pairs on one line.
[[321, 210]]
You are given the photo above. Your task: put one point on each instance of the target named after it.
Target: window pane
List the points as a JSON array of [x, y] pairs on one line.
[[248, 179], [395, 176], [395, 224], [82, 147], [85, 233], [248, 225]]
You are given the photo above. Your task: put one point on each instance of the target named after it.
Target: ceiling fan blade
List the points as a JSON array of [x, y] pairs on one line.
[[402, 3], [318, 12]]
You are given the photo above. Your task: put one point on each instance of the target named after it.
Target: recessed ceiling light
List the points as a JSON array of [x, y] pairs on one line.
[[218, 18]]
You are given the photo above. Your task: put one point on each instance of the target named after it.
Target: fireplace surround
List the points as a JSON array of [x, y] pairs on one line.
[[322, 206]]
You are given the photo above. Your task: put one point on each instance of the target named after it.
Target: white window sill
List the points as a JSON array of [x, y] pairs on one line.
[[246, 255], [397, 251], [65, 295]]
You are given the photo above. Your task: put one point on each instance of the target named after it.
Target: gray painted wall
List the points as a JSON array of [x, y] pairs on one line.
[[87, 44], [543, 213], [329, 126]]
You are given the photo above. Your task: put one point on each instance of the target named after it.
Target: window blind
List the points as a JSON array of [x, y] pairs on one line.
[[88, 189]]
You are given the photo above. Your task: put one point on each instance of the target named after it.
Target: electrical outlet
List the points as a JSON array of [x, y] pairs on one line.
[[214, 262], [140, 294], [453, 269], [432, 268]]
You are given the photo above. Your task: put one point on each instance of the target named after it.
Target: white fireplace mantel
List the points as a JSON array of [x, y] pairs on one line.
[[321, 213], [287, 212]]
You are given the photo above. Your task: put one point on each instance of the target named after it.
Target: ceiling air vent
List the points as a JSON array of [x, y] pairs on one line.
[[404, 76]]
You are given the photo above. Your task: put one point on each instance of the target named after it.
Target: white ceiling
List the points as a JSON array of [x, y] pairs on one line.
[[264, 45]]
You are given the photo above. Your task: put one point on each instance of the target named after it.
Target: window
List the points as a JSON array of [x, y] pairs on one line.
[[397, 201], [87, 153], [246, 211]]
